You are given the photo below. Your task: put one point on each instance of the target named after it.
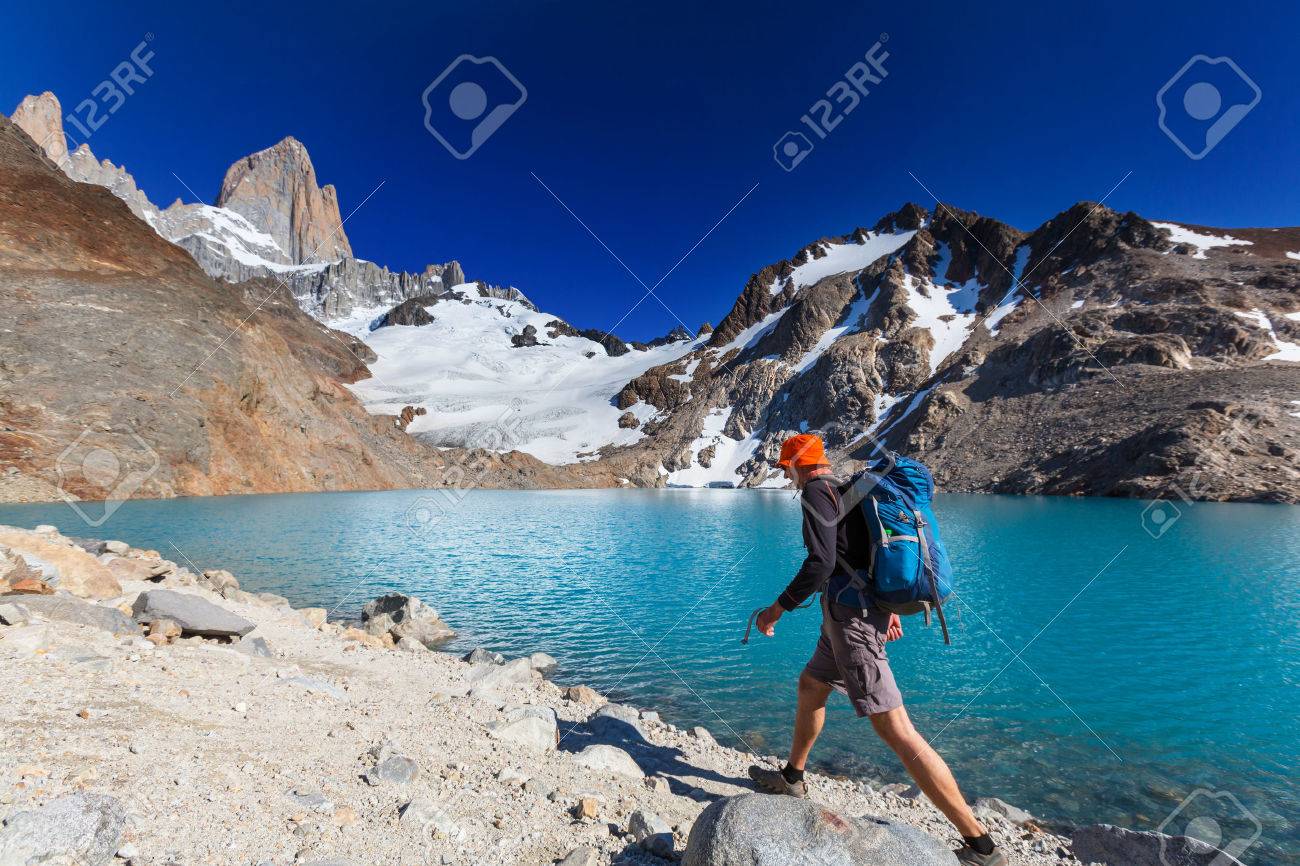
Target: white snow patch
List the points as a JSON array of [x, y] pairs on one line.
[[1295, 317], [727, 456], [1295, 256], [549, 400], [1013, 297], [843, 258], [1295, 414], [1076, 305], [946, 310], [753, 333], [1183, 235], [689, 375], [1285, 351]]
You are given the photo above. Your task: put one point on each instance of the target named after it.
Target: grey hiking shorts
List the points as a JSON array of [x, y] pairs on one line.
[[850, 658]]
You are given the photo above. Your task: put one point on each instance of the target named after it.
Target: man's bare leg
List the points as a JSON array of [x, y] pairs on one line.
[[808, 718], [926, 767]]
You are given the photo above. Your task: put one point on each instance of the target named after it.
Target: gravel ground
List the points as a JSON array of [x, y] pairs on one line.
[[224, 757]]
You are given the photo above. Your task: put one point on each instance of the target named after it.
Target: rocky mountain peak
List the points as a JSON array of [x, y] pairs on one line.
[[908, 217], [41, 117], [276, 190]]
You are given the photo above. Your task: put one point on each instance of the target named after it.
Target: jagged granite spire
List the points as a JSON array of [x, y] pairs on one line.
[[276, 190]]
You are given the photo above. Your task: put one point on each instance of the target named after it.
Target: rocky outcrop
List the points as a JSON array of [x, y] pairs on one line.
[[525, 338], [403, 617], [409, 312], [276, 190]]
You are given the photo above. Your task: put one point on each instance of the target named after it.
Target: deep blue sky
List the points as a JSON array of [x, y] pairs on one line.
[[652, 121]]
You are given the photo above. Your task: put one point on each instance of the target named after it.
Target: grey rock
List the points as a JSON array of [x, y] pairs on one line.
[[651, 832], [766, 830], [617, 723], [432, 820], [583, 856], [1014, 814], [608, 759], [13, 613], [410, 645], [272, 599], [1116, 846], [67, 608], [316, 687], [701, 733], [532, 726], [405, 616], [81, 829], [394, 769], [543, 663], [195, 616], [481, 656], [311, 800], [254, 646], [219, 580], [119, 548], [491, 676]]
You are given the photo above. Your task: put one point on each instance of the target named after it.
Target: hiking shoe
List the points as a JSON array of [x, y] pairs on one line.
[[774, 783], [968, 855]]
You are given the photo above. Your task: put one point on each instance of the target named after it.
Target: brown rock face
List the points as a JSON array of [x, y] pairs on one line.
[[276, 190]]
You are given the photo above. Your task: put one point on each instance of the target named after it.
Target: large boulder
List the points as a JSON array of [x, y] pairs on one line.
[[532, 726], [62, 564], [67, 608], [82, 829], [403, 616], [767, 830], [487, 675], [608, 759], [195, 615], [1116, 846], [617, 723]]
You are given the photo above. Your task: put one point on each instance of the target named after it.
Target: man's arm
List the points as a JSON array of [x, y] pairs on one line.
[[820, 535]]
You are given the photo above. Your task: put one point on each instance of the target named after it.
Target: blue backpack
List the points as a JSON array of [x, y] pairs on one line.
[[909, 571]]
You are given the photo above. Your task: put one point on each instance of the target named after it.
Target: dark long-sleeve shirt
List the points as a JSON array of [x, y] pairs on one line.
[[832, 543]]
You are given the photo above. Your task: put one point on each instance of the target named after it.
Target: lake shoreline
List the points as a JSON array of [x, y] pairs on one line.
[[150, 714]]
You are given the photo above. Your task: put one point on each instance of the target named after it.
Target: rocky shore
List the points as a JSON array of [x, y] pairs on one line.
[[157, 716]]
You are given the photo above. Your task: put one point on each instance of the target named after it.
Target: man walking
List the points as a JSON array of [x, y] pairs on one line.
[[850, 655]]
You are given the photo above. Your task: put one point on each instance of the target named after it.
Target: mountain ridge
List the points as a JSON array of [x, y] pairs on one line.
[[939, 331]]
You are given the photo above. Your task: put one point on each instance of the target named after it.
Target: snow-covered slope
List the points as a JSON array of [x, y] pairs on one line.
[[553, 400]]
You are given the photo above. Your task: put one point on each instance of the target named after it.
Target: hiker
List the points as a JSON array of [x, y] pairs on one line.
[[850, 655]]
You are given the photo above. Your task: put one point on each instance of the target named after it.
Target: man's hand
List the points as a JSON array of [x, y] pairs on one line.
[[895, 629], [766, 621]]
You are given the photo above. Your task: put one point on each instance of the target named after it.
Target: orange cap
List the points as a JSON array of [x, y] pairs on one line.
[[803, 450]]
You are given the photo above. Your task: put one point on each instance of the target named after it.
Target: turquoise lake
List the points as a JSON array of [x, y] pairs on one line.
[[1103, 668]]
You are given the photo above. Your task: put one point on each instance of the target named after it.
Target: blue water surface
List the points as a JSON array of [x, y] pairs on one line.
[[1105, 667]]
